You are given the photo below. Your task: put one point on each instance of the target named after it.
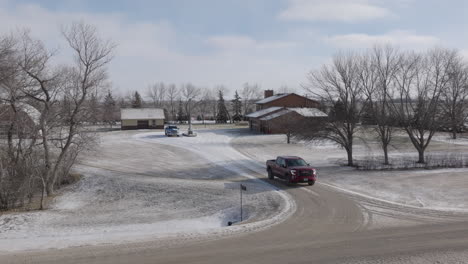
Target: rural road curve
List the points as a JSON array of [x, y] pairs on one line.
[[328, 226]]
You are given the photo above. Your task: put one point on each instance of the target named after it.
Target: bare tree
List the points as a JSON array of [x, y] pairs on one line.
[[75, 82], [204, 103], [289, 122], [338, 85], [286, 89], [454, 98], [92, 55], [172, 95], [377, 74], [157, 93], [43, 88], [190, 93], [420, 81], [18, 160], [249, 94]]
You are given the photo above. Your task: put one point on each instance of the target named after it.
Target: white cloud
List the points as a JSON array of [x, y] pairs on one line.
[[230, 42], [464, 53], [150, 52], [401, 38], [334, 10], [245, 44]]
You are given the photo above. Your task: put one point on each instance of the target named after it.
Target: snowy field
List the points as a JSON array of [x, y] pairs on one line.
[[141, 186], [441, 189]]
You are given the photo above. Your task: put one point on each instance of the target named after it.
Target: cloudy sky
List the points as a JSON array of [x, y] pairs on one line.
[[230, 42]]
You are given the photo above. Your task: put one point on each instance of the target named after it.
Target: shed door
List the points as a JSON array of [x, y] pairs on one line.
[[142, 124]]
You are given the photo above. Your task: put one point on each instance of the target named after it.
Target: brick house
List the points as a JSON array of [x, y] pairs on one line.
[[285, 100], [276, 112]]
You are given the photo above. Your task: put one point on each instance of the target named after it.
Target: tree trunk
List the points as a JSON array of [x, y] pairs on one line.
[[42, 194], [454, 133], [421, 156], [47, 162], [385, 150], [349, 151], [288, 137]]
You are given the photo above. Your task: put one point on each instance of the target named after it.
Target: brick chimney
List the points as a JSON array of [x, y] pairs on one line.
[[268, 93]]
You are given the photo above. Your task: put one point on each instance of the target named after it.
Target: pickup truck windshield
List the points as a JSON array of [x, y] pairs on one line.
[[296, 162]]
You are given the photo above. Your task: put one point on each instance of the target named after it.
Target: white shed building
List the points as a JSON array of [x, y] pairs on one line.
[[142, 118]]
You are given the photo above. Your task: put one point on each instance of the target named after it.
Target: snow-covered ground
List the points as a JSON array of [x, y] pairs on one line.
[[441, 189], [145, 186], [141, 185]]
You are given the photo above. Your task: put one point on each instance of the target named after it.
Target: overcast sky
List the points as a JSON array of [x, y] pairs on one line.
[[230, 42]]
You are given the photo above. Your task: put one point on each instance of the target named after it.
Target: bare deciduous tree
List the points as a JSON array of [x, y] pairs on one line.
[[75, 82], [204, 103], [172, 95], [18, 159], [249, 94], [377, 78], [338, 85], [92, 55], [454, 98], [61, 95], [420, 81], [157, 93], [190, 93], [286, 89]]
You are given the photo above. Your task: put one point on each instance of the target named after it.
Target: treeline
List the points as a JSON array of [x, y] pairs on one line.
[[44, 108], [201, 103], [389, 90]]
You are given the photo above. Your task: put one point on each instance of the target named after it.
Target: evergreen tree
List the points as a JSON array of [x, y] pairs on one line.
[[237, 107], [93, 109], [180, 113], [122, 103], [222, 115], [109, 109], [137, 101]]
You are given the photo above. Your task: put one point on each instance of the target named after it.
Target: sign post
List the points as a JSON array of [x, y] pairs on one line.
[[242, 188]]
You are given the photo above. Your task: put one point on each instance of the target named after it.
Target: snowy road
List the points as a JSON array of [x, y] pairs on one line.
[[328, 225]]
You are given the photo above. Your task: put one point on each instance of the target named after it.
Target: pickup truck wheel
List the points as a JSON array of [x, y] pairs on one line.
[[270, 175], [311, 182]]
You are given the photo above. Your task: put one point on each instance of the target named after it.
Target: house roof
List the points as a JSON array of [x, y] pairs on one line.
[[305, 112], [263, 112], [275, 115], [272, 98], [309, 112], [141, 113]]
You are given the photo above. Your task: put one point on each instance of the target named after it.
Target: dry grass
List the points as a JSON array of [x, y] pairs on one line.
[[433, 161], [35, 202]]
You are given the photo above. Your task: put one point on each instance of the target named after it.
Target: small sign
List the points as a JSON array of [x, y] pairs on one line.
[[243, 187]]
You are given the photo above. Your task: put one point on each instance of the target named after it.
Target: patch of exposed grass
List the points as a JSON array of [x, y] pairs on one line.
[[433, 161]]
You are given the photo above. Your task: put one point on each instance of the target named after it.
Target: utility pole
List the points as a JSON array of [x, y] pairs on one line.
[[242, 188]]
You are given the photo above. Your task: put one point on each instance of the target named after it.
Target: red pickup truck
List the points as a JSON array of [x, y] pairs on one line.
[[291, 168]]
